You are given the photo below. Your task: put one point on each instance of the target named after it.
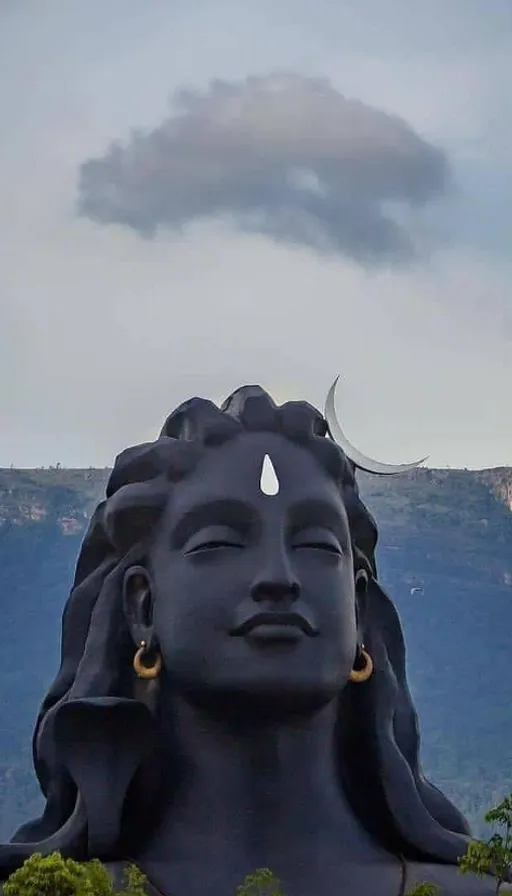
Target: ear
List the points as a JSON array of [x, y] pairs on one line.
[[138, 604], [361, 587]]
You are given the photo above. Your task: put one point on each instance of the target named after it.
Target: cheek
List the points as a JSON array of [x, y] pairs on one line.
[[342, 636], [331, 585], [203, 585], [342, 629], [335, 599], [193, 606]]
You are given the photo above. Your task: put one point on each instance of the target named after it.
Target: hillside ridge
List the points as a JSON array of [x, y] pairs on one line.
[[74, 491]]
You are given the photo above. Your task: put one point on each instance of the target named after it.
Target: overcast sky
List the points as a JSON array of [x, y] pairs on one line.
[[197, 194]]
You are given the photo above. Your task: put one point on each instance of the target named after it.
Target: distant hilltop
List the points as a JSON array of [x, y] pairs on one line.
[[67, 496], [499, 480]]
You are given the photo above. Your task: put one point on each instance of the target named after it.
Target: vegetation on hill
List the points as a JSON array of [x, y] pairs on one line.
[[445, 556]]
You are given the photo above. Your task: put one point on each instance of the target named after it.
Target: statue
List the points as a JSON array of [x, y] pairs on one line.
[[232, 693]]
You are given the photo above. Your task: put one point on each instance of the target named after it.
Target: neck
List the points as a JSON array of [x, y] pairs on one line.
[[263, 788]]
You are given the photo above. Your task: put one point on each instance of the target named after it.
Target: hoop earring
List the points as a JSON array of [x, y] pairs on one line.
[[360, 675], [147, 672]]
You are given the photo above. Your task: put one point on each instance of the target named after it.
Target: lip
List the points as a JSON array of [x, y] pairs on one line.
[[275, 625], [275, 634]]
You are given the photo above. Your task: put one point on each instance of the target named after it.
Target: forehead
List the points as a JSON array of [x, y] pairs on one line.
[[233, 472]]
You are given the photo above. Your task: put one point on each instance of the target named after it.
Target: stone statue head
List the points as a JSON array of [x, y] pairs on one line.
[[213, 539]]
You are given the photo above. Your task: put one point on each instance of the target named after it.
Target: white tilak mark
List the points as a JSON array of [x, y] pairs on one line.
[[269, 483]]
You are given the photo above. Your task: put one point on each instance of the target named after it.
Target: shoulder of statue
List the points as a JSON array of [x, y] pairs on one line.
[[451, 882]]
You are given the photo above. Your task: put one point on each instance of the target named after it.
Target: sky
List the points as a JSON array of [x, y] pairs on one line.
[[199, 194]]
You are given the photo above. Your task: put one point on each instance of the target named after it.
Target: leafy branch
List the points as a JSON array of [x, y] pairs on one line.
[[492, 856]]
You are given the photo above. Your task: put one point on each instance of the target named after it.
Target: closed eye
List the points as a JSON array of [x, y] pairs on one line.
[[213, 546], [214, 538], [318, 546], [316, 538]]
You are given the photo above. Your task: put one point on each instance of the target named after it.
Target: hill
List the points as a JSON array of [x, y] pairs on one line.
[[445, 556]]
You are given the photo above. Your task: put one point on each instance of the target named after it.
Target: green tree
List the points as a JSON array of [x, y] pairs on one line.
[[135, 882], [55, 876], [262, 882], [423, 889], [492, 856]]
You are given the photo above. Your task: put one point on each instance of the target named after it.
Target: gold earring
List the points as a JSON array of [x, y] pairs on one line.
[[360, 675], [143, 671]]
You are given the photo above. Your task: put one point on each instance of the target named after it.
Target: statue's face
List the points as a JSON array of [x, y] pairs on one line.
[[228, 558]]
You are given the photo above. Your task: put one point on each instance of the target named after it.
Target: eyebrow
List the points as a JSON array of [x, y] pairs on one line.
[[220, 511]]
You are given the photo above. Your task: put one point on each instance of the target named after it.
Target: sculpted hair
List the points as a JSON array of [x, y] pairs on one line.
[[378, 750]]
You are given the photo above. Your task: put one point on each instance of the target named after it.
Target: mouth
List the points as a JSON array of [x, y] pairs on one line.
[[275, 626]]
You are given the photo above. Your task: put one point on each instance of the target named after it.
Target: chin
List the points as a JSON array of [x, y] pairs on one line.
[[269, 696]]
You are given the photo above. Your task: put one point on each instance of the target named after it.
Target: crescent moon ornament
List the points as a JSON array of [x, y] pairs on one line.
[[360, 460]]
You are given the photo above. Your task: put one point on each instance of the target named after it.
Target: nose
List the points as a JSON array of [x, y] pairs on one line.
[[276, 582]]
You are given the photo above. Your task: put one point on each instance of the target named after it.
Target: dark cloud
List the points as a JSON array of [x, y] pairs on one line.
[[284, 155]]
